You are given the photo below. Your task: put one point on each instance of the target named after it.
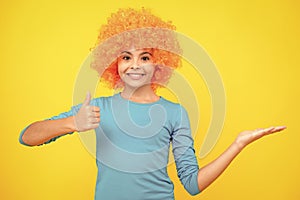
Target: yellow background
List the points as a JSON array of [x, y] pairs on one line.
[[255, 46]]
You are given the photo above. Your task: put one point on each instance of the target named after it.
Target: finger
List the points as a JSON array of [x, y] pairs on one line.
[[96, 121], [262, 131], [275, 129], [97, 115], [93, 126], [93, 120], [93, 115], [258, 129], [87, 99], [279, 128], [270, 129], [95, 109]]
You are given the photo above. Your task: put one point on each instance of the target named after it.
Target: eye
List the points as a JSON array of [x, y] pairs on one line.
[[125, 57], [145, 58]]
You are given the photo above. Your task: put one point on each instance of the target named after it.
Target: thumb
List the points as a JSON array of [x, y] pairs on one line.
[[87, 99]]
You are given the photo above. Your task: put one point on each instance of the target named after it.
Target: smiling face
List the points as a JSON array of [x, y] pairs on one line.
[[136, 68]]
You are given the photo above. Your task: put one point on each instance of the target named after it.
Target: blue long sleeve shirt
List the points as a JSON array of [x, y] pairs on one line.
[[132, 149]]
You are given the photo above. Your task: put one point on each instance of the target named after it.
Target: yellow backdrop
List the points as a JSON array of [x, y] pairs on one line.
[[254, 44]]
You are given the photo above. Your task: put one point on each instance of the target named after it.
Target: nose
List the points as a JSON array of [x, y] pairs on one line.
[[135, 65]]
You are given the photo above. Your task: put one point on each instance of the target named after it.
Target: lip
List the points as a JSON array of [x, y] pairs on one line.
[[135, 76]]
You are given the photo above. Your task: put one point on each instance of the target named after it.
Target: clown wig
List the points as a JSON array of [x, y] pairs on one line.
[[130, 28]]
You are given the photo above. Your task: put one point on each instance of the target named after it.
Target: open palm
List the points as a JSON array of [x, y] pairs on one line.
[[247, 137]]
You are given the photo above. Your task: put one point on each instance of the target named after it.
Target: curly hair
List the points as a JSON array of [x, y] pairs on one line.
[[140, 29]]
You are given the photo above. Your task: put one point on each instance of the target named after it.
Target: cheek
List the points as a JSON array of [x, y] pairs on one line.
[[121, 69], [150, 69]]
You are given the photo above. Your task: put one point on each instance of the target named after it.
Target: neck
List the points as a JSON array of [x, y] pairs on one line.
[[143, 94]]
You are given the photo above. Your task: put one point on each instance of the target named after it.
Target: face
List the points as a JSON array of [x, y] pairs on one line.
[[136, 67]]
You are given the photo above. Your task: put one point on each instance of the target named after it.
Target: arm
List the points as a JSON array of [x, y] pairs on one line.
[[213, 170], [87, 118], [42, 131], [184, 152]]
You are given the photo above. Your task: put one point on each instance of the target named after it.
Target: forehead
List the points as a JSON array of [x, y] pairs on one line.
[[134, 51]]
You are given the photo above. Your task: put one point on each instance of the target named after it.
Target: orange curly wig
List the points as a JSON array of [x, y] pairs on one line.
[[128, 28]]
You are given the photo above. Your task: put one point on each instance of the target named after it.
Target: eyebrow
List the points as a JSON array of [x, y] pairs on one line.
[[145, 52]]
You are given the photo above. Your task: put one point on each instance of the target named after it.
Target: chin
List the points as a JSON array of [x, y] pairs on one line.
[[138, 85]]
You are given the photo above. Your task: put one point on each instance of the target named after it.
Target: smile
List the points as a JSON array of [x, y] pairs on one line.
[[135, 76]]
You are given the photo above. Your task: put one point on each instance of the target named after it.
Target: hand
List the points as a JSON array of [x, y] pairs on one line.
[[247, 137], [88, 117]]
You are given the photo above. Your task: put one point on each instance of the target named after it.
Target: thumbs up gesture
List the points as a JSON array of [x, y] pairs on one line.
[[88, 117]]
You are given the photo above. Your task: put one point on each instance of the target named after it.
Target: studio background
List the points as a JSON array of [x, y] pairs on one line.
[[255, 46]]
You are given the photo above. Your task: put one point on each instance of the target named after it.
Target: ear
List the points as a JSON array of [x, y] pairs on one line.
[[156, 74], [157, 68]]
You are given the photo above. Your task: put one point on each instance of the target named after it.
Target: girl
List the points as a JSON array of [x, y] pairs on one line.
[[135, 127]]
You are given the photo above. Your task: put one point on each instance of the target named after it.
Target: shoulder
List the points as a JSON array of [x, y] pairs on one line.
[[175, 108], [171, 104], [177, 114], [101, 99], [105, 101]]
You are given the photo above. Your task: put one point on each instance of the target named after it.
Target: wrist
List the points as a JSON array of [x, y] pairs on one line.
[[238, 145], [70, 122]]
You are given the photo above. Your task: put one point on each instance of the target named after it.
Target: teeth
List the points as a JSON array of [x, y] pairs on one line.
[[135, 75], [131, 74]]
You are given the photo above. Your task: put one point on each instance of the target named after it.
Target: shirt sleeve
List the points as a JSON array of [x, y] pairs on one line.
[[184, 153], [73, 111]]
